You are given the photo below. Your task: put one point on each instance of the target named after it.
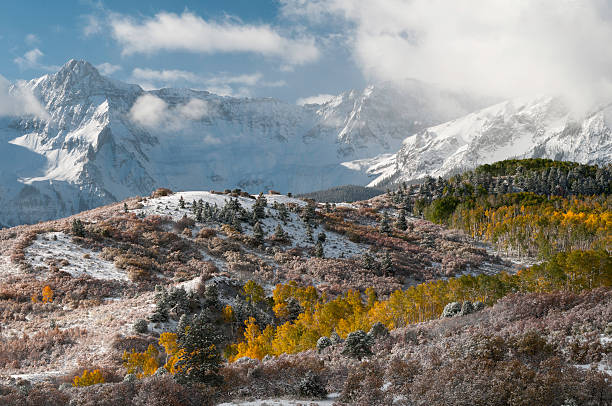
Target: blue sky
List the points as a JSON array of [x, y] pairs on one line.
[[38, 36], [295, 49]]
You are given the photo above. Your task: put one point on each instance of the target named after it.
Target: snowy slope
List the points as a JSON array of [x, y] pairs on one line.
[[529, 128], [336, 245], [93, 150]]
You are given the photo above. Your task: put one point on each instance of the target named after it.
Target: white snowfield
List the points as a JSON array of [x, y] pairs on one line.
[[80, 261]]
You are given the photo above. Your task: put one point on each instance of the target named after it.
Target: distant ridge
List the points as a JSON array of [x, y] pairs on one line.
[[346, 193]]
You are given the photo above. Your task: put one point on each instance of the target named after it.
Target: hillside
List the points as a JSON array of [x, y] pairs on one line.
[[306, 299], [341, 194]]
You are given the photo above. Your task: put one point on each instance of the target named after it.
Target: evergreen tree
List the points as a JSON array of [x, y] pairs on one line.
[[401, 220], [258, 233], [309, 233], [308, 213], [201, 361], [181, 203], [386, 265], [283, 213], [318, 251], [77, 228], [259, 208], [280, 234], [236, 224], [321, 237], [384, 224], [368, 262]]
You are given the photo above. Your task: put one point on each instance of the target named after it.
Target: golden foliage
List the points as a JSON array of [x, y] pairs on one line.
[[141, 363], [47, 294], [88, 378]]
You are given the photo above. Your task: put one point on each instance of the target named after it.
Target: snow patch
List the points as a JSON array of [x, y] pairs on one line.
[[81, 261]]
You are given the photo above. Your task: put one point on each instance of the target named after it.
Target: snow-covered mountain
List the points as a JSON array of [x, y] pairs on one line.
[[541, 127], [104, 140]]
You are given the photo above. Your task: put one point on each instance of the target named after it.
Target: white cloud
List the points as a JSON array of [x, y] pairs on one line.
[[191, 33], [496, 47], [165, 76], [222, 85], [152, 112], [318, 99], [31, 39], [108, 68], [18, 101], [195, 109], [149, 111], [31, 60], [91, 25]]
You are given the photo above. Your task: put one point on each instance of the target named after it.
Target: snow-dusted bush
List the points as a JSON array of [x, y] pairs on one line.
[[363, 386], [141, 326], [466, 308], [335, 338], [323, 343], [378, 330], [311, 386], [451, 309], [358, 344]]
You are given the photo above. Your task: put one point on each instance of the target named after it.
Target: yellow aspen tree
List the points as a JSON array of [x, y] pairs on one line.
[[47, 294]]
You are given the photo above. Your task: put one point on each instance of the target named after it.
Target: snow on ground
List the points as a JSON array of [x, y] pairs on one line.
[[81, 261], [335, 246], [331, 399], [601, 367], [169, 205]]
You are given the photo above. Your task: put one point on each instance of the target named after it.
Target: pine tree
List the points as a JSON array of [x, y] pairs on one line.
[[181, 203], [308, 212], [384, 224], [201, 360], [259, 208], [236, 224], [386, 265], [280, 234], [318, 251], [367, 261], [401, 220], [77, 228], [258, 233], [125, 207], [282, 213], [309, 233]]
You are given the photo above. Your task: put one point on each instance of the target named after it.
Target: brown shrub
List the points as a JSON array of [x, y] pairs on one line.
[[34, 350], [207, 233], [363, 386], [160, 192]]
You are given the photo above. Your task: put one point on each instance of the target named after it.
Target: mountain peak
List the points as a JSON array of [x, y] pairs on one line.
[[78, 69]]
